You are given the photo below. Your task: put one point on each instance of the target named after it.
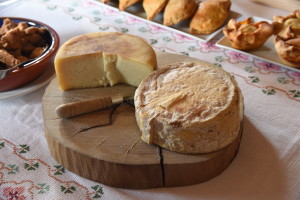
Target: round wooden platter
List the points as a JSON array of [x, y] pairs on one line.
[[105, 145]]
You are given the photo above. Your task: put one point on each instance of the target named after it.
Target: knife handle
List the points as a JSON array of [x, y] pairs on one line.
[[81, 107]]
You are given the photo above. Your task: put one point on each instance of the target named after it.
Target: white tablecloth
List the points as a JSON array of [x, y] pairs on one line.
[[266, 167]]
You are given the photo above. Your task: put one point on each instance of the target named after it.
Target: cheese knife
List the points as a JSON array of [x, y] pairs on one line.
[[81, 107]]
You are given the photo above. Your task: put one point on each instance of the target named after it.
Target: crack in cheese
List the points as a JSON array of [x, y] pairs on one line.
[[102, 59], [189, 108]]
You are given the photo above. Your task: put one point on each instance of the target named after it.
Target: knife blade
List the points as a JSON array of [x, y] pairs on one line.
[[81, 107]]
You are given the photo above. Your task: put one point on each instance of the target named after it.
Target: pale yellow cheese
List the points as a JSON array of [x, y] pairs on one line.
[[102, 59], [189, 108]]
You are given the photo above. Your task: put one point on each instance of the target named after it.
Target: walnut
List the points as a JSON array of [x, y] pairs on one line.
[[19, 42]]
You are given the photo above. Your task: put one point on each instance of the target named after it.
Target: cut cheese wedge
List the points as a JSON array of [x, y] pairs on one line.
[[189, 108], [103, 59]]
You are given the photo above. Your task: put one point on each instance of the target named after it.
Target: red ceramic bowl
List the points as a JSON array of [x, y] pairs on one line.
[[33, 69]]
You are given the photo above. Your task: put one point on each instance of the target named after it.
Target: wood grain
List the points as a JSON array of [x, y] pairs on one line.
[[105, 145]]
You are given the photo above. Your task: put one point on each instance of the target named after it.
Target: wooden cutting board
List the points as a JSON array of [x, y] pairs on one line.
[[105, 145]]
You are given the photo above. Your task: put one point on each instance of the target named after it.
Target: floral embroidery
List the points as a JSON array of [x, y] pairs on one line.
[[89, 4], [296, 75], [209, 46], [14, 193], [110, 11], [157, 28], [238, 56], [182, 37], [269, 66], [133, 19]]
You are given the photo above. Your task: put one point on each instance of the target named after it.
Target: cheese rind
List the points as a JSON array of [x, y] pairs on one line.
[[189, 108], [102, 59]]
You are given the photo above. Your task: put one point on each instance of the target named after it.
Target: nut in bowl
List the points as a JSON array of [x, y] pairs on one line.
[[26, 47]]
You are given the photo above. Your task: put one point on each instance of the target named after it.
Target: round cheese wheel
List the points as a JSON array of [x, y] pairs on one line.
[[189, 108]]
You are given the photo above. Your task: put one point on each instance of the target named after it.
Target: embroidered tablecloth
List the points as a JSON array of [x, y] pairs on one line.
[[266, 167]]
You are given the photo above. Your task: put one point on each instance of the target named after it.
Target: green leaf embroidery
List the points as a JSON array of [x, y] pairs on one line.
[[254, 79], [97, 19], [292, 91], [124, 30], [13, 169], [77, 17], [167, 39], [31, 167], [2, 145], [185, 53], [219, 59], [295, 93], [218, 65], [99, 191], [142, 29], [103, 28], [24, 148], [59, 170], [51, 7], [71, 9], [192, 48], [67, 190], [153, 41], [43, 188], [96, 12], [269, 91], [282, 80], [249, 69], [119, 21]]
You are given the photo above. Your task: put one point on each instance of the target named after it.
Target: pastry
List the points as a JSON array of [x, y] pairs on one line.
[[210, 15], [189, 108], [103, 59], [153, 7], [178, 10], [123, 4], [287, 41], [246, 35], [281, 23]]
